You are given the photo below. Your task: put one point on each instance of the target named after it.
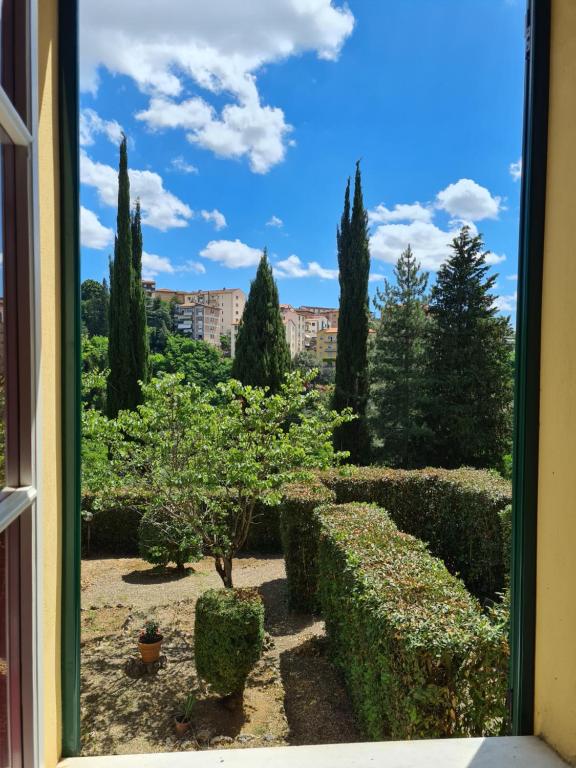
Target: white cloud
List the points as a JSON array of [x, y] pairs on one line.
[[400, 212], [293, 267], [506, 303], [513, 278], [516, 170], [180, 164], [275, 221], [91, 125], [153, 265], [465, 199], [193, 266], [93, 234], [220, 46], [231, 253], [160, 208], [216, 217], [376, 277]]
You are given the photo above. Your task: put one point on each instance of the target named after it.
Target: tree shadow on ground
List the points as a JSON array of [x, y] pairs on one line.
[[156, 575], [280, 622], [315, 700]]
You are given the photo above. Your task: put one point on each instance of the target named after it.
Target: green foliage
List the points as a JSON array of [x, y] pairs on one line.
[[228, 637], [159, 319], [307, 363], [151, 632], [470, 388], [262, 357], [398, 365], [419, 658], [199, 362], [351, 382], [300, 541], [138, 328], [110, 522], [456, 511], [95, 299], [166, 538], [94, 371]]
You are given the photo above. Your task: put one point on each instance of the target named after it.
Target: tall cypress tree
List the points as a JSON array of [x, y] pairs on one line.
[[398, 365], [352, 386], [262, 354], [139, 329], [470, 395], [120, 390]]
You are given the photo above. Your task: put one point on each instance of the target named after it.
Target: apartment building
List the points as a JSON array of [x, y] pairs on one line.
[[165, 294], [230, 302], [295, 325], [330, 313], [327, 346], [199, 321]]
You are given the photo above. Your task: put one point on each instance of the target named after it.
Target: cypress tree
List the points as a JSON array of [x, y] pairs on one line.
[[120, 389], [139, 330], [351, 385], [398, 365], [262, 354], [470, 394]]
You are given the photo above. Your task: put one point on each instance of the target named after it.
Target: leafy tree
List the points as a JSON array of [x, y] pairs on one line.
[[138, 327], [470, 392], [159, 323], [398, 365], [306, 362], [94, 371], [207, 460], [199, 362], [123, 388], [351, 383], [225, 345], [262, 353], [95, 299]]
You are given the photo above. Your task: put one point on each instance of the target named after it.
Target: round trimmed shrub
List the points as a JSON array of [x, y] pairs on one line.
[[229, 636], [163, 539]]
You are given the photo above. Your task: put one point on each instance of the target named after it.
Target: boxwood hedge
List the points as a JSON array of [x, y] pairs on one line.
[[456, 511], [418, 656]]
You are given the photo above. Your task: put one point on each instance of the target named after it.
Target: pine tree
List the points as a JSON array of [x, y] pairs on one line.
[[470, 395], [398, 365], [351, 386], [120, 390], [139, 330], [262, 355]]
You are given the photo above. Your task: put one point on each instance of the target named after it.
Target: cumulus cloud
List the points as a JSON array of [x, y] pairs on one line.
[[160, 208], [294, 267], [506, 303], [180, 164], [400, 212], [231, 253], [275, 221], [152, 265], [516, 170], [467, 200], [376, 277], [513, 278], [216, 217], [91, 125], [193, 266], [219, 47], [93, 234]]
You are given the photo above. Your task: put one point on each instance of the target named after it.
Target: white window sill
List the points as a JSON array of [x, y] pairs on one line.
[[507, 752]]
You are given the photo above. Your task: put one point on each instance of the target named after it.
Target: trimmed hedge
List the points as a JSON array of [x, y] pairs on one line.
[[456, 511], [228, 637], [419, 658], [264, 533], [300, 541]]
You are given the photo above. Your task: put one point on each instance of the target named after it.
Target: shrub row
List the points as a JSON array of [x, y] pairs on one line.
[[418, 656], [456, 511]]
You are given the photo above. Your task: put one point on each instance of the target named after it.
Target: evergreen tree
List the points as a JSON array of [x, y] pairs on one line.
[[262, 354], [398, 365], [139, 329], [470, 394], [351, 385], [95, 299], [121, 392]]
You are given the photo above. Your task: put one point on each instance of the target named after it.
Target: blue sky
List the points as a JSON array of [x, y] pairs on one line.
[[245, 121]]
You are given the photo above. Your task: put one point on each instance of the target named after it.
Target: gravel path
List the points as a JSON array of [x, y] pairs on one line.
[[293, 695]]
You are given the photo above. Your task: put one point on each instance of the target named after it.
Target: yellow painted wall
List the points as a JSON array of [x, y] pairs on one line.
[[49, 382], [555, 704]]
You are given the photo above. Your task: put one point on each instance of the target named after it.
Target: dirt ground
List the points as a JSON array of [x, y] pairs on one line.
[[293, 695]]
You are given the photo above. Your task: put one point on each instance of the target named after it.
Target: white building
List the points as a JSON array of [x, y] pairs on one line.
[[230, 302]]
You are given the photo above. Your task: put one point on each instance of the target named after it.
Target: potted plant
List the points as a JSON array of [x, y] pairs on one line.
[[150, 642], [182, 721]]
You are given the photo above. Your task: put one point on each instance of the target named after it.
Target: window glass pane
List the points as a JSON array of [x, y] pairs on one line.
[[13, 53]]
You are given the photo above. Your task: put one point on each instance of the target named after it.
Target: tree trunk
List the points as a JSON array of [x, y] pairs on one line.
[[224, 569]]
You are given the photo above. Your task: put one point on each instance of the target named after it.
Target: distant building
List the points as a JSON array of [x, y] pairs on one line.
[[295, 325], [198, 321], [149, 287], [167, 294], [229, 301], [327, 346], [329, 313]]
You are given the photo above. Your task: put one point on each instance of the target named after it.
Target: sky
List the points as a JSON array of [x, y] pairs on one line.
[[244, 121]]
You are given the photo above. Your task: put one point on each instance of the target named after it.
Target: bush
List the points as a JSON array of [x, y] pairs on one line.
[[455, 511], [164, 538], [300, 541], [110, 527], [419, 658], [264, 532], [228, 637]]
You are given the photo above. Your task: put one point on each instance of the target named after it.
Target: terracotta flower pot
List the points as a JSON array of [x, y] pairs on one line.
[[150, 651], [181, 726]]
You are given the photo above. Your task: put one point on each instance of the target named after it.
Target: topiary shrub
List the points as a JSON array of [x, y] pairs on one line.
[[419, 658], [228, 637], [455, 511], [300, 541], [164, 538]]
